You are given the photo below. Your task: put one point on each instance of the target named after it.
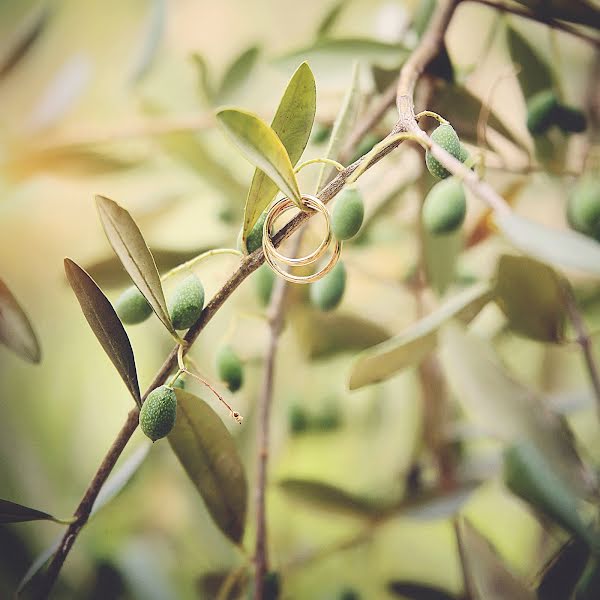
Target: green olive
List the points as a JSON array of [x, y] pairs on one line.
[[229, 368], [132, 307], [541, 112], [327, 293], [445, 207], [254, 239], [348, 214], [158, 413], [264, 280], [186, 304], [445, 136], [298, 420], [583, 209]]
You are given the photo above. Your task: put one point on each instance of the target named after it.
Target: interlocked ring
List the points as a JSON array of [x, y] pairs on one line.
[[272, 255], [282, 206]]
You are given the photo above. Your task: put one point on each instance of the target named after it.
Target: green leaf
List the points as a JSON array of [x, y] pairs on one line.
[[292, 123], [416, 342], [11, 512], [441, 254], [528, 475], [150, 43], [462, 108], [487, 578], [344, 122], [562, 572], [16, 331], [129, 245], [529, 294], [208, 454], [560, 248], [204, 80], [330, 18], [410, 590], [237, 73], [105, 324], [534, 73], [262, 148], [502, 407]]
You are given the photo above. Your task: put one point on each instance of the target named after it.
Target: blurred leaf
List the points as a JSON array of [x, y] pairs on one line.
[[18, 32], [561, 248], [236, 74], [206, 87], [11, 512], [438, 504], [120, 477], [37, 565], [153, 32], [577, 11], [501, 406], [529, 294], [534, 73], [261, 146], [330, 18], [292, 123], [417, 591], [441, 253], [208, 454], [129, 245], [16, 331], [528, 475], [323, 334], [561, 574], [105, 324], [487, 576], [383, 78], [210, 584], [462, 109], [343, 124], [109, 272], [416, 342]]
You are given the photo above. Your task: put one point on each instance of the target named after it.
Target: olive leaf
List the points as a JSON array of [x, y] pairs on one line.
[[149, 45], [11, 512], [292, 123], [330, 17], [209, 456], [105, 324], [129, 245], [560, 248], [410, 347], [344, 122], [261, 147], [441, 254], [204, 79], [237, 73], [529, 293], [16, 331], [487, 578], [417, 591]]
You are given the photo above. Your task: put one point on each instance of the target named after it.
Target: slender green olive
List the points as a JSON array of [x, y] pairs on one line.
[[327, 293], [132, 307], [158, 413], [186, 304], [583, 208], [229, 368], [264, 280], [445, 136], [445, 207], [541, 112], [348, 214]]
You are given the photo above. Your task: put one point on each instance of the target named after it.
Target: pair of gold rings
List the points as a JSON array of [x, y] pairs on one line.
[[274, 257]]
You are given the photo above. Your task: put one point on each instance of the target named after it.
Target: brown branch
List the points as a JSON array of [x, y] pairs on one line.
[[540, 18]]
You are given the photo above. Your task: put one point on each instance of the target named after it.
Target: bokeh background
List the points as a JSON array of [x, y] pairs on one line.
[[106, 97]]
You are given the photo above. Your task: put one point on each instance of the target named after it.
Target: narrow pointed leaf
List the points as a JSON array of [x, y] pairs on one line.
[[36, 566], [209, 456], [237, 73], [560, 248], [344, 122], [292, 123], [129, 245], [11, 512], [410, 347], [16, 331], [330, 18], [105, 324], [487, 576]]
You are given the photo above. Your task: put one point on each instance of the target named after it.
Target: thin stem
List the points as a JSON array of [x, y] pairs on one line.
[[433, 115], [326, 161], [198, 259]]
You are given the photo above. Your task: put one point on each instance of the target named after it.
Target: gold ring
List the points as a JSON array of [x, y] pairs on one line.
[[281, 206]]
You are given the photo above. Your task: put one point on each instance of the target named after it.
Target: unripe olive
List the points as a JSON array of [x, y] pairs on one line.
[[264, 280], [445, 207], [348, 214], [320, 133], [583, 209], [570, 119], [254, 239], [327, 293], [158, 413], [186, 303], [229, 368], [445, 136], [298, 419], [132, 307], [541, 111]]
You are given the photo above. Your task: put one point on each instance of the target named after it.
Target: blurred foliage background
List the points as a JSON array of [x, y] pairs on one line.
[[117, 98]]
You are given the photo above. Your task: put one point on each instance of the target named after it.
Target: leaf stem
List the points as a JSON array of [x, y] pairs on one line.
[[312, 161], [198, 259]]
